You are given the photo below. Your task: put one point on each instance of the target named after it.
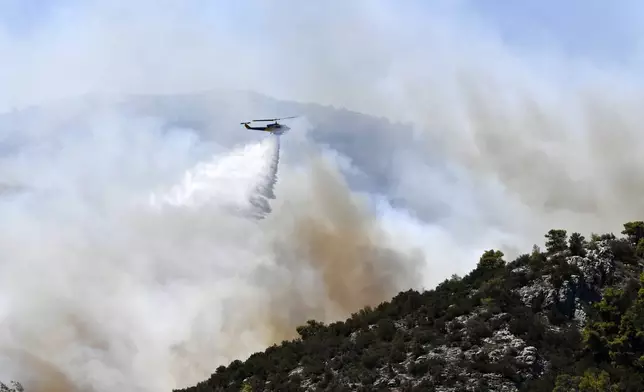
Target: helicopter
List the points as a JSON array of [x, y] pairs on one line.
[[274, 127]]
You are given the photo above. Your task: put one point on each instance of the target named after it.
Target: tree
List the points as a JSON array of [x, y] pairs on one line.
[[556, 241], [311, 328], [634, 230], [566, 383], [591, 381], [489, 263], [639, 250], [577, 245], [386, 329], [491, 259]]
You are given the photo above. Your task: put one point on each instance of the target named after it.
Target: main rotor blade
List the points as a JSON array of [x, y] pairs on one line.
[[275, 119]]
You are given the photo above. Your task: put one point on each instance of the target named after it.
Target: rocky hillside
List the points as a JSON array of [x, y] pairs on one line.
[[569, 317]]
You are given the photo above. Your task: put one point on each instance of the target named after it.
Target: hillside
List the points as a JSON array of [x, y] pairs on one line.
[[569, 317], [511, 324]]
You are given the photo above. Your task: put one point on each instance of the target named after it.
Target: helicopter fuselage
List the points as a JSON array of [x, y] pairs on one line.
[[274, 128]]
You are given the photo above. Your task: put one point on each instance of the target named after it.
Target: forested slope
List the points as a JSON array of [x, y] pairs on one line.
[[569, 317]]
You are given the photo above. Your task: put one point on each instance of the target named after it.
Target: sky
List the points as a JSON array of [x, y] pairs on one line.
[[596, 29], [598, 32], [526, 116]]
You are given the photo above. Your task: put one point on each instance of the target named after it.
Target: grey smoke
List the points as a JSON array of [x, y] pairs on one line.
[[149, 272]]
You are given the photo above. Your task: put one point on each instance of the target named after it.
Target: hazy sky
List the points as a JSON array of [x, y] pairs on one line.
[[178, 45], [598, 29]]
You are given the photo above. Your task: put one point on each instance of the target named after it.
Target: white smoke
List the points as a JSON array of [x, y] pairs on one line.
[[138, 293], [113, 278]]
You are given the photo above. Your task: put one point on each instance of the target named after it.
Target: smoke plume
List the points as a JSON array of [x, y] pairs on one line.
[[152, 293]]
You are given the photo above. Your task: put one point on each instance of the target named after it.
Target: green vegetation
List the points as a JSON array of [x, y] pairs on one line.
[[567, 319]]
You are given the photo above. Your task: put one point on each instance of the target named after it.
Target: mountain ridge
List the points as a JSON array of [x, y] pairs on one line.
[[568, 318]]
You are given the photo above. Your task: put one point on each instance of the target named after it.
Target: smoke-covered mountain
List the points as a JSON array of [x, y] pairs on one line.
[[130, 243], [131, 253], [132, 259]]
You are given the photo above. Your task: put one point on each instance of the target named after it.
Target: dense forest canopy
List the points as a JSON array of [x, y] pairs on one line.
[[569, 317]]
